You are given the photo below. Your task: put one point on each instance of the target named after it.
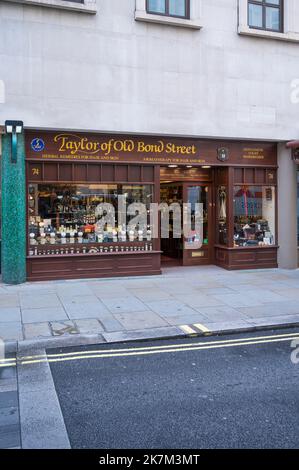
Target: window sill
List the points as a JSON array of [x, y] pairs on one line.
[[141, 15], [89, 6], [291, 37]]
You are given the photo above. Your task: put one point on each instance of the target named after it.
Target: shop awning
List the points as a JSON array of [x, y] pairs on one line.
[[294, 144]]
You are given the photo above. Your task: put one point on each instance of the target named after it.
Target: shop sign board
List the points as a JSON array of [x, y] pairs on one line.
[[74, 146]]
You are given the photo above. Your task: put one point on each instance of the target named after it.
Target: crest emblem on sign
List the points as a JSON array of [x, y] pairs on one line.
[[222, 154], [37, 145]]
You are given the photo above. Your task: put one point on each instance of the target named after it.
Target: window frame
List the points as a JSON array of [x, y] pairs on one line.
[[167, 13], [267, 4]]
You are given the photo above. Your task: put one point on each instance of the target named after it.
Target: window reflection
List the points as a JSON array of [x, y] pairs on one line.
[[254, 216], [71, 214]]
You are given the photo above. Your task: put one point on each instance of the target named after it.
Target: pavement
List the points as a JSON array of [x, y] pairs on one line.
[[180, 302], [229, 391]]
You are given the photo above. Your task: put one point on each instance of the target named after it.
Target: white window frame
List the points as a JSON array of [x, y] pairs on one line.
[[290, 23], [88, 6], [194, 22]]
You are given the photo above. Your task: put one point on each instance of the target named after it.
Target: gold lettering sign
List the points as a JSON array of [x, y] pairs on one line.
[[74, 145], [198, 254], [254, 153]]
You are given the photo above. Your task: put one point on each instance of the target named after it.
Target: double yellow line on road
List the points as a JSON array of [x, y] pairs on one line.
[[150, 350]]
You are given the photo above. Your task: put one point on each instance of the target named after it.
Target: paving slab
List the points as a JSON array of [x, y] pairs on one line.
[[289, 293], [41, 315], [110, 290], [147, 295], [271, 310], [238, 300], [199, 300], [91, 310], [29, 301], [37, 330], [89, 326], [178, 320], [10, 314], [63, 328], [140, 320], [167, 308], [9, 300], [124, 304], [11, 331], [216, 314], [110, 323], [219, 327]]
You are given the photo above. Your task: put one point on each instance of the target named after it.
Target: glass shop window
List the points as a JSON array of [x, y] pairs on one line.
[[254, 215], [71, 215]]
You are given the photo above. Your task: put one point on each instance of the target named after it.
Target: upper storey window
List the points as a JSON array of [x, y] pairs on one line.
[[175, 8], [266, 15]]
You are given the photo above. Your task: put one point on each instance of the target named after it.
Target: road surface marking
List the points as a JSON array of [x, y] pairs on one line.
[[202, 328], [12, 363], [187, 329], [184, 345], [157, 351]]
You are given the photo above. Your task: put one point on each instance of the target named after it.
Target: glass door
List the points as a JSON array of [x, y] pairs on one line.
[[172, 247], [197, 239]]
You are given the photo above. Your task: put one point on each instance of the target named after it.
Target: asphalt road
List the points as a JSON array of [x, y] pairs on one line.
[[240, 396]]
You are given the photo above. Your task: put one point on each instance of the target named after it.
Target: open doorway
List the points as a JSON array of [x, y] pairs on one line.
[[172, 248]]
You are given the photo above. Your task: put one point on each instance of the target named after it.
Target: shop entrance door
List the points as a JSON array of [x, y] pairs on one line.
[[198, 247], [194, 248], [172, 247]]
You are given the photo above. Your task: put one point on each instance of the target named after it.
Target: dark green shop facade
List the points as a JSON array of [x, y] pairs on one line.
[[53, 183]]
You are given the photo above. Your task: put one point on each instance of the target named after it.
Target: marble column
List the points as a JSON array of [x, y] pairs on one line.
[[287, 209], [13, 245]]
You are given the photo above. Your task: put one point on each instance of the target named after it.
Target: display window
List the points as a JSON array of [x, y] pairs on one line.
[[254, 216], [82, 218], [222, 215]]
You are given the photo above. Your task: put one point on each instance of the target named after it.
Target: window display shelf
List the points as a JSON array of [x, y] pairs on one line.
[[91, 249], [119, 253], [254, 247]]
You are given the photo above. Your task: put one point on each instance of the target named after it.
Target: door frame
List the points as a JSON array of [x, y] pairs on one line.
[[205, 254]]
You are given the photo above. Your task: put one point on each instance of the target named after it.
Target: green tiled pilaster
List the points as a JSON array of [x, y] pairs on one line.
[[13, 245]]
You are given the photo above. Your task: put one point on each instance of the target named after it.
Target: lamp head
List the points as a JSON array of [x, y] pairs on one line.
[[14, 127]]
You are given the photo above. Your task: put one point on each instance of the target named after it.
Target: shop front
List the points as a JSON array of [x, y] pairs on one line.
[[75, 181]]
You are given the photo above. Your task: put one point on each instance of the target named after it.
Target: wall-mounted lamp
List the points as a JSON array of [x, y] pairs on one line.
[[14, 128]]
